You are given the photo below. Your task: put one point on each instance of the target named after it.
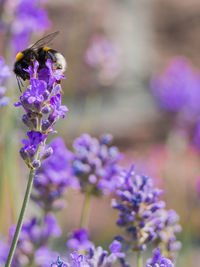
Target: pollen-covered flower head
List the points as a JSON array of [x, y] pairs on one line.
[[138, 204], [96, 164]]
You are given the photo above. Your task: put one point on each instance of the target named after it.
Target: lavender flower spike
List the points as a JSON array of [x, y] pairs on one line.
[[96, 164], [36, 101], [42, 104], [138, 206]]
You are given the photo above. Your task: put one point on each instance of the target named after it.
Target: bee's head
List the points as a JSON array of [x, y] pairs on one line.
[[20, 65]]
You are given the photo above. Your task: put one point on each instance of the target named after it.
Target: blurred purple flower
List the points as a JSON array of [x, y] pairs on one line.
[[54, 176], [96, 164], [115, 247], [158, 260], [4, 100], [4, 70], [44, 257], [79, 240], [167, 236], [103, 55], [4, 73], [139, 207], [29, 17], [34, 235], [4, 249], [178, 87], [95, 257]]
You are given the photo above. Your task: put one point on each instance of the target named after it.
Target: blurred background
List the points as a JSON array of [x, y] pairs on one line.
[[133, 71]]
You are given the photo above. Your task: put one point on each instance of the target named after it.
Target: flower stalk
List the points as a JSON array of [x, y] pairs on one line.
[[85, 211], [139, 259], [20, 219]]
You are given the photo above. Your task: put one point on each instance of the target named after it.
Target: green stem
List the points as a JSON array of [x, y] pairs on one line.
[[20, 220], [85, 211], [139, 259]]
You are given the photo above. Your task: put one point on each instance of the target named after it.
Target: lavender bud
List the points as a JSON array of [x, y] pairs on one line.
[[45, 125], [23, 154], [36, 164], [46, 110], [37, 106], [106, 139], [26, 120], [52, 118], [47, 153], [34, 122], [46, 95]]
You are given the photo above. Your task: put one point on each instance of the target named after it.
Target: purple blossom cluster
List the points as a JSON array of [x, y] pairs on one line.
[[42, 104], [142, 214], [4, 74], [53, 177], [103, 55], [96, 257], [31, 247], [177, 87], [28, 17], [3, 251], [96, 164], [167, 236], [33, 237], [139, 207], [79, 240], [21, 19], [158, 260]]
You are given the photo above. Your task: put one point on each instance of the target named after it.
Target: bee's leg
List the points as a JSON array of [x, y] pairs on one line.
[[22, 84], [51, 55], [18, 82]]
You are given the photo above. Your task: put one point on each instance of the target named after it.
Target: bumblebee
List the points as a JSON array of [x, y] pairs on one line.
[[41, 52]]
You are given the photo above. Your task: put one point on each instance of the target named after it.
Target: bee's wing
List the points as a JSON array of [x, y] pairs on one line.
[[45, 40]]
